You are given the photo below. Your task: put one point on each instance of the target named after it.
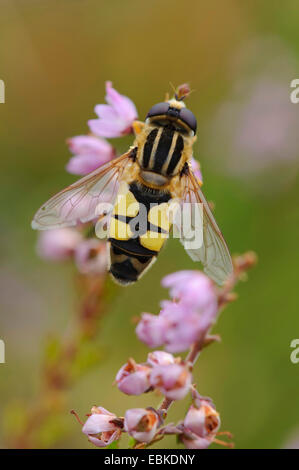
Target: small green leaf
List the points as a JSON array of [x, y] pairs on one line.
[[113, 445], [132, 442]]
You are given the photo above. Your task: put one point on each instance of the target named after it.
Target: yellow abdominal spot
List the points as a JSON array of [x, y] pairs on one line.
[[153, 240], [158, 216], [119, 230], [126, 203]]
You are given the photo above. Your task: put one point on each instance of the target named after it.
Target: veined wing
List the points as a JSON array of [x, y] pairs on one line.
[[213, 253], [82, 201]]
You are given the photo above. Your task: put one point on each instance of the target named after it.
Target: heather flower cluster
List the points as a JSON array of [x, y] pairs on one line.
[[162, 371], [184, 322], [89, 254], [115, 119], [145, 425]]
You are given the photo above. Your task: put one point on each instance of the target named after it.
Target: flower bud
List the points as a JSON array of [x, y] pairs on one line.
[[58, 244], [173, 380], [184, 326], [183, 91], [194, 290], [133, 379], [91, 256], [160, 358], [141, 424], [151, 330], [101, 428], [202, 421]]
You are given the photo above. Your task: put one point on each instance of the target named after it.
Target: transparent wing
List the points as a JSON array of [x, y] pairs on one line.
[[213, 252], [84, 200]]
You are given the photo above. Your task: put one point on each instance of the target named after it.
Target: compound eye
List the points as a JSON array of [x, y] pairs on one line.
[[188, 118], [159, 109]]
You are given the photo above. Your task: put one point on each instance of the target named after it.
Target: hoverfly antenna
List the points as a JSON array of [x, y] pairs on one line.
[[167, 96], [173, 88]]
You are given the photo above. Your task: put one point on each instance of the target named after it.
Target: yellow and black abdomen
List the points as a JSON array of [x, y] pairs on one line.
[[139, 227]]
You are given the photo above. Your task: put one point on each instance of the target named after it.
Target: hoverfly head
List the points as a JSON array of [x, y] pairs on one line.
[[174, 112]]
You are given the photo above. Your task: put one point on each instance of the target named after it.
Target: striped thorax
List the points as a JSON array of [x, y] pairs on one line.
[[162, 152]]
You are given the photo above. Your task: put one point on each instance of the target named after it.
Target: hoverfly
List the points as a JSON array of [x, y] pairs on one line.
[[155, 171]]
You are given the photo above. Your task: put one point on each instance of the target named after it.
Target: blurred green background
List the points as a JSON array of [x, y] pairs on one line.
[[240, 58]]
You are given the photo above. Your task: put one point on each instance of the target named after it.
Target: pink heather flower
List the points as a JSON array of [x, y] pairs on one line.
[[116, 117], [197, 442], [58, 244], [160, 358], [91, 256], [100, 428], [196, 169], [183, 326], [141, 424], [194, 290], [89, 153], [203, 421], [133, 379], [173, 380], [151, 330]]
